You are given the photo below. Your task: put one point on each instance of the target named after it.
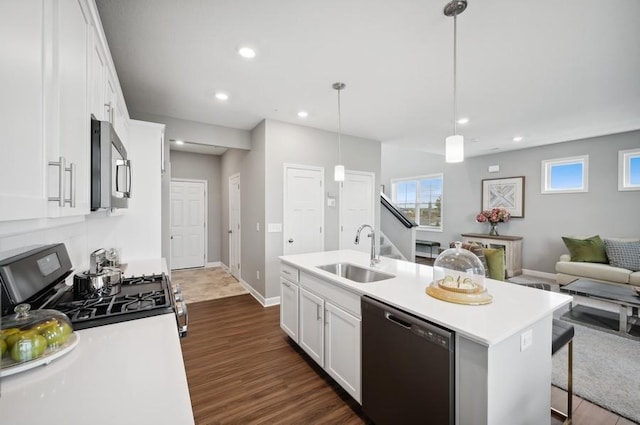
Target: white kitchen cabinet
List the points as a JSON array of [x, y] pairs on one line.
[[45, 104], [289, 278], [312, 325], [22, 189], [342, 350], [289, 308], [57, 65], [69, 118], [328, 323], [98, 84], [114, 108]]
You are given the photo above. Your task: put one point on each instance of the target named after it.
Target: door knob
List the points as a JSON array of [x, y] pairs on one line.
[[230, 231], [290, 240]]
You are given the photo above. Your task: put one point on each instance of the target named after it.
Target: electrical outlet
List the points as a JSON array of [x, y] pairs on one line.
[[526, 339], [258, 274]]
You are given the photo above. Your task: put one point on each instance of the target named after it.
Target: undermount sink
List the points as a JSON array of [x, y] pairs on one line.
[[355, 273]]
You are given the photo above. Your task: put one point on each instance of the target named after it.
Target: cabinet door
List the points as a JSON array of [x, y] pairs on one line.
[[312, 325], [70, 111], [289, 308], [22, 186], [342, 359], [98, 80]]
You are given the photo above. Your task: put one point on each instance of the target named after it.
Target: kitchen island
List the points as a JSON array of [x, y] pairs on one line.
[[503, 349], [123, 373]]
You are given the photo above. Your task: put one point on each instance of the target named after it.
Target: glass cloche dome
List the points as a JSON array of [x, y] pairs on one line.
[[459, 277]]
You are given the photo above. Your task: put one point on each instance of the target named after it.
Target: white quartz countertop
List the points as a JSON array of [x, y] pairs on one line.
[[513, 309], [125, 373]]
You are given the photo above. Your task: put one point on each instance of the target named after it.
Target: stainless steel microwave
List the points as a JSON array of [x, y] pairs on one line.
[[110, 168]]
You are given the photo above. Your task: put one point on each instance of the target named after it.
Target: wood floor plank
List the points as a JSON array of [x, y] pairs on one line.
[[242, 369]]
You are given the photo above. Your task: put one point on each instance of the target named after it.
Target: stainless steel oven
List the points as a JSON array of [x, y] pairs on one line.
[[38, 277]]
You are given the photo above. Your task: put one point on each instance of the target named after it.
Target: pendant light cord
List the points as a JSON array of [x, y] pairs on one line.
[[339, 129], [455, 121]]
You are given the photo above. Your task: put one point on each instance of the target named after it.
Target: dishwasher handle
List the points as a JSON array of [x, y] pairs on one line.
[[390, 317]]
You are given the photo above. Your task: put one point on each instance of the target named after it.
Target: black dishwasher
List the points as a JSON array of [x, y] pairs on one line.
[[407, 367]]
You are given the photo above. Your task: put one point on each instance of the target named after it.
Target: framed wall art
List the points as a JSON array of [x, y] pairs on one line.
[[507, 193]]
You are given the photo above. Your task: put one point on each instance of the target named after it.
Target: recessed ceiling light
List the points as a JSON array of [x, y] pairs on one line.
[[518, 139], [247, 52], [222, 96], [463, 120], [303, 114], [179, 142]]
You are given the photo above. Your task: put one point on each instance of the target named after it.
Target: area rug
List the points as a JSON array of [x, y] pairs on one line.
[[606, 371], [206, 284]]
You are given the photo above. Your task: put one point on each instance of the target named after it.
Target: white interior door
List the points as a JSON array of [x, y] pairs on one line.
[[188, 223], [303, 228], [234, 225], [357, 207]]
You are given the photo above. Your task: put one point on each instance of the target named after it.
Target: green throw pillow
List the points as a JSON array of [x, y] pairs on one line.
[[495, 261], [590, 250]]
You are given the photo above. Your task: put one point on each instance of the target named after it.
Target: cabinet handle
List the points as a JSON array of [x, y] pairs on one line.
[[285, 283], [318, 316], [286, 272], [72, 177], [62, 167]]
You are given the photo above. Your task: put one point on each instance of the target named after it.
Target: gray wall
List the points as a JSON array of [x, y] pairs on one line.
[[186, 165], [198, 132], [252, 204], [231, 163], [294, 144], [603, 210]]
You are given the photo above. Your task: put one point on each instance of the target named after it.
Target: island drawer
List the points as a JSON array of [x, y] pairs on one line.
[[289, 272], [331, 292]]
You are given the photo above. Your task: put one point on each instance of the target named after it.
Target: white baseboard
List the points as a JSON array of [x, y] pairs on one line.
[[536, 273], [265, 302], [213, 264]]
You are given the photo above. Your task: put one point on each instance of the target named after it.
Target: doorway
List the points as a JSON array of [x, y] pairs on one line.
[[188, 223], [303, 227], [234, 230], [356, 207]]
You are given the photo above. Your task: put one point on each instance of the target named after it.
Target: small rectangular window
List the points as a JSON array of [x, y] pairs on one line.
[[421, 199], [565, 175], [629, 169]]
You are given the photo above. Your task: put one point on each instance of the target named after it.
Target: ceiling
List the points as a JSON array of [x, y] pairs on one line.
[[546, 70]]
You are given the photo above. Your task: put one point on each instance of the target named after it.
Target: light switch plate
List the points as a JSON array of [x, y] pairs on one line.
[[274, 227]]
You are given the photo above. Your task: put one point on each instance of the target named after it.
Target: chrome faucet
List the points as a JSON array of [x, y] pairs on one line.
[[374, 258]]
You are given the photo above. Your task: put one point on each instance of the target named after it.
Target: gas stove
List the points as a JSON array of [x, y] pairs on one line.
[[138, 296]]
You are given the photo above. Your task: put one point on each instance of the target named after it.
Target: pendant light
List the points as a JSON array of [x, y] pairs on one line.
[[454, 145], [338, 172]]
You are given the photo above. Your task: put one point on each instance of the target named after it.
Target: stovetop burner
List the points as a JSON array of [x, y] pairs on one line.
[[142, 296]]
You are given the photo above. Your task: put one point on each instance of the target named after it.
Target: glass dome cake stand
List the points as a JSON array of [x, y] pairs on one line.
[[459, 277]]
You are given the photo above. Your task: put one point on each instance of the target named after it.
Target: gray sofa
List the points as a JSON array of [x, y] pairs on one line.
[[568, 271]]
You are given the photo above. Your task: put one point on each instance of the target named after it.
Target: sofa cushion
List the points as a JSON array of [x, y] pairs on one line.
[[634, 278], [625, 255], [495, 262], [590, 250], [594, 271]]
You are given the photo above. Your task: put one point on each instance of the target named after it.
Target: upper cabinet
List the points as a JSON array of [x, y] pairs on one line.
[[60, 74], [22, 187], [67, 137]]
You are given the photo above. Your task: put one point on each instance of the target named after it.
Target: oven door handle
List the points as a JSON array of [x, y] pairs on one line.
[[182, 312]]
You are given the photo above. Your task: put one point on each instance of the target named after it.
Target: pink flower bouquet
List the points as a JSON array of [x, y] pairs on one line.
[[493, 216]]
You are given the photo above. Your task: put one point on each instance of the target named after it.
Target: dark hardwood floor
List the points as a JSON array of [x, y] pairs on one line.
[[242, 369]]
